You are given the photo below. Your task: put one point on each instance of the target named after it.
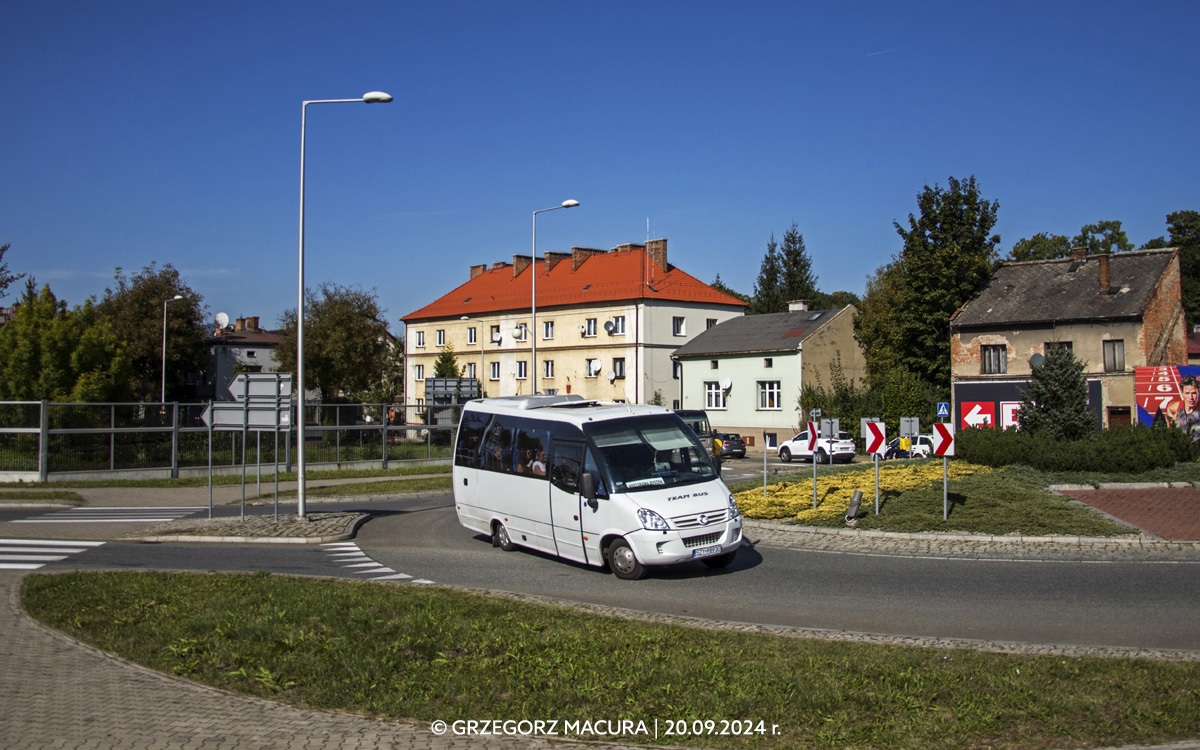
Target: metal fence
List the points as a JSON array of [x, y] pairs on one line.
[[60, 440]]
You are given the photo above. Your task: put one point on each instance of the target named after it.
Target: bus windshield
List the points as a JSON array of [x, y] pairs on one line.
[[650, 452]]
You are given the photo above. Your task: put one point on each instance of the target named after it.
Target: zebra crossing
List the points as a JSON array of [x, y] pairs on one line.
[[31, 554], [348, 555], [115, 515]]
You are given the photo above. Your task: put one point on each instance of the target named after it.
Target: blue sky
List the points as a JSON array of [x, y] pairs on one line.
[[135, 132]]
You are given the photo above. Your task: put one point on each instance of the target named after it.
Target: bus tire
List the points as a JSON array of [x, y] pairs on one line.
[[500, 537], [719, 561], [623, 563]]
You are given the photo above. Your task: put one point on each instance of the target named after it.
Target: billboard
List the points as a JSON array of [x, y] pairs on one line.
[[1170, 394]]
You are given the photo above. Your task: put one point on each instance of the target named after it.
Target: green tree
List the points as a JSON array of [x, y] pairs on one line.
[[134, 308], [873, 325], [947, 256], [768, 294], [50, 352], [446, 365], [1102, 237], [6, 277], [797, 280], [345, 338], [1041, 246], [1055, 400], [1184, 227], [721, 286]]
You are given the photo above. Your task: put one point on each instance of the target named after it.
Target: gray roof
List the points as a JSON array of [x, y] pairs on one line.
[[1052, 291], [745, 334]]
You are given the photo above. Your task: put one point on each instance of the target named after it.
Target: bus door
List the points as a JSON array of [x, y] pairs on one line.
[[566, 461]]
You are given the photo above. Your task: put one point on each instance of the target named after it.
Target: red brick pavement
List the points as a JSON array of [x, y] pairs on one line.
[[1172, 514]]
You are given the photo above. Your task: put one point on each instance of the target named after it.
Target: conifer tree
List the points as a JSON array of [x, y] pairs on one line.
[[768, 294], [1055, 400], [446, 365], [797, 280]]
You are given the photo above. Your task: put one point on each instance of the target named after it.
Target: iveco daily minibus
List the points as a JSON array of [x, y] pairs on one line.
[[603, 484]]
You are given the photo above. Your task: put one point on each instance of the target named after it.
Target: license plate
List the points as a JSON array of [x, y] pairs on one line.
[[707, 551]]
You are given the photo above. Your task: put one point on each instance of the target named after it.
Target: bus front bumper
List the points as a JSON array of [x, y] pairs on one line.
[[678, 546]]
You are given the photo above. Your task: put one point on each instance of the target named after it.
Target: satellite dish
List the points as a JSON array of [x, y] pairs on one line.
[[726, 384], [608, 327], [1037, 360], [222, 320], [610, 375], [595, 366], [583, 329], [496, 338]]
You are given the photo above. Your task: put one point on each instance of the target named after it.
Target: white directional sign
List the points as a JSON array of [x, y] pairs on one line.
[[943, 439], [876, 436], [830, 428], [241, 414], [910, 426], [257, 386]]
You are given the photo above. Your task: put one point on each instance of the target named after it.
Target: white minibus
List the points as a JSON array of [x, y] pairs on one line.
[[626, 486]]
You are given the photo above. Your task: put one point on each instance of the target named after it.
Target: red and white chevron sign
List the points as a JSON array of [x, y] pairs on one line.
[[812, 435], [876, 436], [943, 439]]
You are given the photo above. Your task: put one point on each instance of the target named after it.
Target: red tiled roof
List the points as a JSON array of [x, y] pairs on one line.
[[602, 277]]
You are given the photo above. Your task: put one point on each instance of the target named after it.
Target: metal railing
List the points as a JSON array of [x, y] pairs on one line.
[[45, 440]]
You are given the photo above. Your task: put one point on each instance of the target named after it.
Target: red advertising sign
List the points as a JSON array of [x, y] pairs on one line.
[[978, 413]]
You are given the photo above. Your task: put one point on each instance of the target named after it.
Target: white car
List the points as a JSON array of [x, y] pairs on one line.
[[921, 446], [841, 448]]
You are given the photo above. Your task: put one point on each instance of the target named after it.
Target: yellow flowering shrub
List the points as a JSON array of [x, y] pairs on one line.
[[794, 500]]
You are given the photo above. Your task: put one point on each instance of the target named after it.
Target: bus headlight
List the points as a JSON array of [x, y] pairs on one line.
[[733, 509], [651, 520]]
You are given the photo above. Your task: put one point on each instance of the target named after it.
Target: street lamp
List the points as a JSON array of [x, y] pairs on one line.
[[533, 298], [164, 347], [371, 97]]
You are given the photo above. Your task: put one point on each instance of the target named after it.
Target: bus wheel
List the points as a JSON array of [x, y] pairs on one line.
[[500, 537], [623, 562], [720, 561]]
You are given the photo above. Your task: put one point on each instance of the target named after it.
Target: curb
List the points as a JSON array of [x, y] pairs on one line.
[[350, 533]]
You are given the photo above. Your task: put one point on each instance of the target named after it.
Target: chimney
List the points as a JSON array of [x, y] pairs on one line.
[[580, 254], [499, 264], [658, 253], [554, 258], [798, 305], [252, 323], [1105, 273], [1079, 253], [478, 269], [520, 263], [627, 247], [239, 324]]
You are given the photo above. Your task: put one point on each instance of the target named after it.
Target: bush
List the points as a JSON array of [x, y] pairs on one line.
[[1126, 450]]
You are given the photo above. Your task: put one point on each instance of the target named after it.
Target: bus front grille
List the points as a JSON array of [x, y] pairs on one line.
[[699, 520], [703, 540]]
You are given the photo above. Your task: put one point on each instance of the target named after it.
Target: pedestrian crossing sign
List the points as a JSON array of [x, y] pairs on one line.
[[943, 410]]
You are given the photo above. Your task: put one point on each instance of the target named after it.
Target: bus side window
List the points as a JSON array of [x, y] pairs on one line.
[[564, 470], [592, 466], [497, 449], [470, 435]]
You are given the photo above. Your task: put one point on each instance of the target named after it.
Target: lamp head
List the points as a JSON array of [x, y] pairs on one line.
[[377, 97], [570, 204]]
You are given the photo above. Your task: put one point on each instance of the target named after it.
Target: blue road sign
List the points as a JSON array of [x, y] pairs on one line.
[[943, 410]]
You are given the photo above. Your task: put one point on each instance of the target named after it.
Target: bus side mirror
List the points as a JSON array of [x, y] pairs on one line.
[[587, 486]]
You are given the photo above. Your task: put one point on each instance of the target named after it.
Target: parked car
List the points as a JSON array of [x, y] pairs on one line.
[[841, 448], [921, 446], [732, 445], [893, 450]]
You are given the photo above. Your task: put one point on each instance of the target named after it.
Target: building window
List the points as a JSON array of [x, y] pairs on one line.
[[548, 329], [1114, 356], [420, 339], [471, 336], [618, 325], [469, 372], [619, 367], [441, 337], [714, 396], [495, 370], [676, 370], [420, 372], [678, 328], [769, 395], [709, 323], [994, 359], [494, 335], [522, 332], [589, 328], [522, 370], [713, 364], [768, 362], [1058, 347], [548, 368], [675, 404]]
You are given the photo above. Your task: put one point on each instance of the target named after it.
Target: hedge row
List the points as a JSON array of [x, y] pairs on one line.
[[1131, 449]]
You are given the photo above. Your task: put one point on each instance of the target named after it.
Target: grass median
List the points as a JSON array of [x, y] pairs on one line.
[[429, 653]]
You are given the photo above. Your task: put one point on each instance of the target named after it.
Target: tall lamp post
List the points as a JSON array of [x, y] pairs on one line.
[[533, 297], [164, 347], [371, 97]]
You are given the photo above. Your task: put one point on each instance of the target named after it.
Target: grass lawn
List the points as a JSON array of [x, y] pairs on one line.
[[22, 496], [430, 653], [1011, 500]]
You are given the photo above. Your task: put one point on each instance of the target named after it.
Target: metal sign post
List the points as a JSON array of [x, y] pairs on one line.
[[943, 445], [876, 440], [812, 454]]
